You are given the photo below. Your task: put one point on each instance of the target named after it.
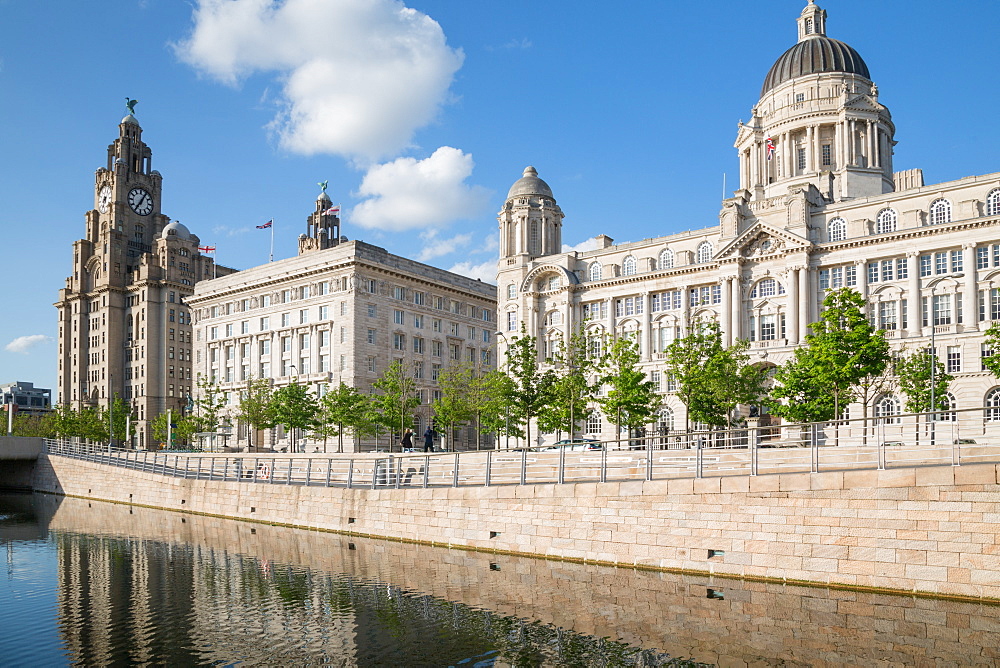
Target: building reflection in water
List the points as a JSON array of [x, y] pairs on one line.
[[145, 586]]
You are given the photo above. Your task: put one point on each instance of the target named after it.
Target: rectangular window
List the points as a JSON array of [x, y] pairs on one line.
[[923, 311], [941, 262], [372, 311], [371, 365], [716, 294], [437, 349], [324, 338], [399, 341], [324, 287], [303, 316], [511, 321], [887, 269], [286, 344], [851, 276], [343, 308], [486, 336], [324, 312], [265, 300], [956, 261], [801, 158], [397, 316], [245, 327], [304, 366], [343, 335], [767, 328], [324, 363], [996, 255], [229, 330], [486, 356], [419, 297], [343, 362], [837, 277], [824, 279], [953, 360], [436, 324], [826, 155], [982, 257], [371, 336], [213, 333], [418, 321], [942, 309], [372, 286], [305, 292], [887, 315], [303, 341], [901, 269], [925, 265], [958, 307], [265, 324], [286, 296], [265, 369], [985, 352], [418, 345], [873, 272], [418, 370], [265, 348], [286, 319], [455, 352]]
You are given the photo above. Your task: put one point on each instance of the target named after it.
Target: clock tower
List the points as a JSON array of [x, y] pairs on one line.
[[124, 329]]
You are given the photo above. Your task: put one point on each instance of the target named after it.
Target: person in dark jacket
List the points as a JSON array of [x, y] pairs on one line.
[[407, 440], [429, 439]]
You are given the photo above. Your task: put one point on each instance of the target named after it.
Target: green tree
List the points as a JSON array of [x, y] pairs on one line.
[[914, 371], [843, 348], [179, 434], [530, 388], [209, 403], [340, 408], [456, 405], [295, 407], [43, 426], [632, 400], [66, 421], [712, 379], [489, 392], [991, 362], [255, 407], [572, 390], [395, 399], [116, 416]]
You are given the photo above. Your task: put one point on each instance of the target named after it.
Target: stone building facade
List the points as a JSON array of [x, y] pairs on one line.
[[340, 311], [124, 328], [819, 207]]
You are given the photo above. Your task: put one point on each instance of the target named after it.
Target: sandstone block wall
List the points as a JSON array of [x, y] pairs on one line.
[[919, 529]]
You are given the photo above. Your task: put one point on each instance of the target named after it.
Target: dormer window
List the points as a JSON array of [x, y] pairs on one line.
[[809, 26]]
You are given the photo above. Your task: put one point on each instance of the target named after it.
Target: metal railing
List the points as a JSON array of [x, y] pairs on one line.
[[878, 443]]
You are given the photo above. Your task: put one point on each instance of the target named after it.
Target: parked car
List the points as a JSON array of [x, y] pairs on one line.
[[574, 445]]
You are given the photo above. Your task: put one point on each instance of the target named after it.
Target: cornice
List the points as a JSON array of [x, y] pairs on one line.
[[908, 233]]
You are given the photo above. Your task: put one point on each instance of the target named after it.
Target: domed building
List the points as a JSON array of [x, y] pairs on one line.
[[819, 207]]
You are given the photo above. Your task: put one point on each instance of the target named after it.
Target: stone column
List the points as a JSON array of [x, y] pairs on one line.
[[645, 340], [810, 140], [792, 322], [735, 306], [852, 143], [970, 290], [805, 299], [725, 312], [862, 271], [913, 314]]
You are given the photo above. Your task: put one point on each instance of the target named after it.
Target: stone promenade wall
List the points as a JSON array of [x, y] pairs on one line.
[[927, 529]]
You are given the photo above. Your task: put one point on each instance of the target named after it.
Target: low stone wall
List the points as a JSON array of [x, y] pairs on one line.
[[926, 529]]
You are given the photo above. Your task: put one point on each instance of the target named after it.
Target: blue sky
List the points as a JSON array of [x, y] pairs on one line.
[[421, 114]]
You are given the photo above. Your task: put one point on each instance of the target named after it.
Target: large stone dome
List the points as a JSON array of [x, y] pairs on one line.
[[812, 56], [176, 230], [530, 184]]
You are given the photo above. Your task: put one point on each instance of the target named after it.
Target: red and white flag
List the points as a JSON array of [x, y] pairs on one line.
[[770, 148], [206, 249], [332, 211]]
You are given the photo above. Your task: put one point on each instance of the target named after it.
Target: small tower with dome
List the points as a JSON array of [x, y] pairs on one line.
[[322, 225], [530, 220]]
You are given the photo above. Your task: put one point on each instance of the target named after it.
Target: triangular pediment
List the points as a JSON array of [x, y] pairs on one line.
[[863, 103], [762, 240]]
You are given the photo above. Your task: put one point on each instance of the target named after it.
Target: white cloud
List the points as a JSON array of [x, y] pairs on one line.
[[408, 194], [23, 344], [228, 231], [434, 247], [589, 244], [358, 76], [486, 272], [514, 43]]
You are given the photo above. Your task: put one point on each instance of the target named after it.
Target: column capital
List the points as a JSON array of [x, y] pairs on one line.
[[969, 244], [912, 253]]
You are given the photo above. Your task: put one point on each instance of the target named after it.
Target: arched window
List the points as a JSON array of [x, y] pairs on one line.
[[993, 405], [993, 203], [767, 287], [594, 271], [704, 252], [949, 416], [666, 260], [664, 421], [629, 266], [551, 282], [553, 318], [940, 212], [809, 26], [885, 221], [511, 291], [594, 423], [885, 409], [837, 230]]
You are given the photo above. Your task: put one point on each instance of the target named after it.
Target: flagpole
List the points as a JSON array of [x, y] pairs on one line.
[[271, 258], [215, 262]]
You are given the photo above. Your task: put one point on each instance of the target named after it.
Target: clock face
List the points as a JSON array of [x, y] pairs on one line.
[[140, 201], [104, 199]]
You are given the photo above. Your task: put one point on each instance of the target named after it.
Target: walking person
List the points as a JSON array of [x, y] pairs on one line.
[[407, 441], [429, 439]]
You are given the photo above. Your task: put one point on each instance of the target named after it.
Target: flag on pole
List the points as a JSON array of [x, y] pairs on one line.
[[266, 225], [332, 211], [206, 249], [770, 148]]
